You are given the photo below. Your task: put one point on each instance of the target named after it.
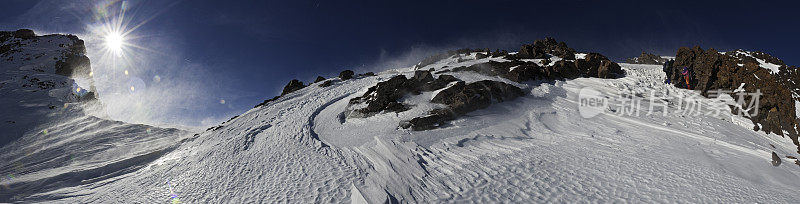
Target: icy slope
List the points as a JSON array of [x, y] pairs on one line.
[[48, 139], [535, 148]]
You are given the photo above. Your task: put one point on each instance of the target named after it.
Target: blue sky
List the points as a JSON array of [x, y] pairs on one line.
[[243, 52]]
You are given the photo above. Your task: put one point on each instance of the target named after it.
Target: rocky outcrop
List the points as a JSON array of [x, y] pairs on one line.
[[646, 58], [71, 55], [435, 58], [776, 160], [385, 95], [548, 46], [462, 98], [293, 85], [346, 74], [319, 79], [592, 65], [712, 70]]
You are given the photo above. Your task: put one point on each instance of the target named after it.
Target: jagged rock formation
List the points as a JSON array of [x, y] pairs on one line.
[[293, 85], [712, 70], [435, 58], [646, 58], [543, 60], [463, 98], [519, 68], [540, 49], [384, 96], [346, 74], [319, 79], [70, 61]]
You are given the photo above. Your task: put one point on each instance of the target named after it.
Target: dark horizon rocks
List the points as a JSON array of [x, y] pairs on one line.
[[541, 48], [712, 70], [646, 58], [346, 74]]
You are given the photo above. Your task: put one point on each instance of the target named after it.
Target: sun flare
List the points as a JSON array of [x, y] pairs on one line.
[[114, 42]]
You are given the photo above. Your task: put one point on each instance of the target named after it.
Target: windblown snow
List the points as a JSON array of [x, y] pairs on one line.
[[300, 149]]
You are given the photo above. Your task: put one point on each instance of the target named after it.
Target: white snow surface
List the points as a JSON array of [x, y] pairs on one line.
[[300, 149], [773, 68]]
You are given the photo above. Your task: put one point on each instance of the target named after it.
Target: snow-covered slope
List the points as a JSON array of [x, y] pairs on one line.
[[534, 148], [301, 148], [48, 138]]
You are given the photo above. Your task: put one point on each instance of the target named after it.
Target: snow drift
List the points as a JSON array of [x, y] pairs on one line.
[[305, 145]]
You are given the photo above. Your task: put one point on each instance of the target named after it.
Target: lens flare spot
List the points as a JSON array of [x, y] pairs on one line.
[[156, 78], [78, 89], [91, 73], [136, 85], [126, 72], [222, 101], [44, 132]]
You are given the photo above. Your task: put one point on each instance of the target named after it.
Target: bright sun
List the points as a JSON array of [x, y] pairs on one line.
[[114, 42]]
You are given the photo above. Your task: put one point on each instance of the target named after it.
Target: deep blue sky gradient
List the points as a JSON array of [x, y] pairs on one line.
[[257, 46]]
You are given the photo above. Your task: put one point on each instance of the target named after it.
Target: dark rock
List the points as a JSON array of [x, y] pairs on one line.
[[384, 95], [24, 34], [346, 74], [422, 77], [646, 58], [369, 74], [480, 56], [293, 85], [565, 69], [71, 64], [462, 98], [776, 160], [599, 66], [435, 58], [267, 101], [326, 83], [319, 79], [447, 78], [541, 48], [594, 65]]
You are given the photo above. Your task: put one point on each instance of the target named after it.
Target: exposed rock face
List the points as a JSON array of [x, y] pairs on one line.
[[712, 70], [646, 58], [540, 48], [462, 98], [597, 65], [319, 79], [435, 58], [776, 160], [293, 85], [346, 74], [72, 61], [592, 65], [385, 95], [326, 83]]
